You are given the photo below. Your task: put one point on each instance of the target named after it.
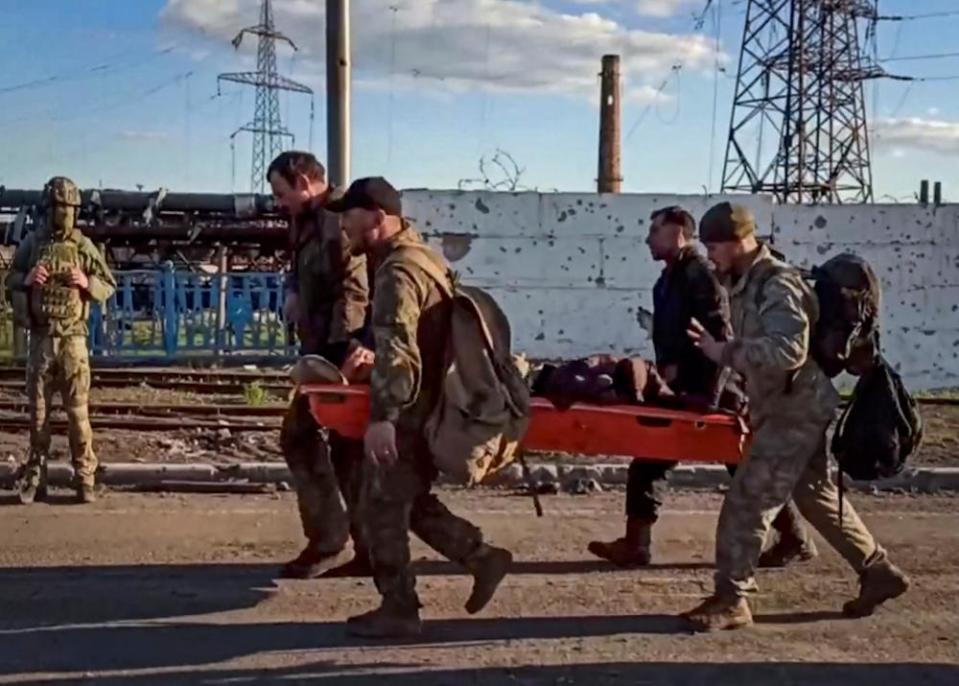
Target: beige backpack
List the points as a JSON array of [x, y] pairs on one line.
[[483, 411]]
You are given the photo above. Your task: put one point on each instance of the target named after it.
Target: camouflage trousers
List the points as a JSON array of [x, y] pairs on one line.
[[397, 500], [787, 457], [326, 476], [646, 489], [59, 364]]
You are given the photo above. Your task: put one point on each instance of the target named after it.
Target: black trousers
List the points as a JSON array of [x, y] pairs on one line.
[[646, 487]]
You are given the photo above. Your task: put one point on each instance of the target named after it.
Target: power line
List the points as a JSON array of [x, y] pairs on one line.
[[699, 21], [915, 17], [49, 115], [676, 68], [95, 71], [954, 77], [902, 101], [911, 58], [679, 104]]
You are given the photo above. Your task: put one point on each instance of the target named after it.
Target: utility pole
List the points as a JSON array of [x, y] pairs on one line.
[[338, 65], [267, 128], [609, 178], [798, 129]]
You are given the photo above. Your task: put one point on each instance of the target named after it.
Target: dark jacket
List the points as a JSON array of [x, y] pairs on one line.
[[602, 380], [333, 285], [688, 289]]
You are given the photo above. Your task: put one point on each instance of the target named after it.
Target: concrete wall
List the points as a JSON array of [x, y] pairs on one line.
[[574, 274]]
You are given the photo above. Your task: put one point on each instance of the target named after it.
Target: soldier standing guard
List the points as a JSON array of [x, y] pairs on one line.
[[61, 272]]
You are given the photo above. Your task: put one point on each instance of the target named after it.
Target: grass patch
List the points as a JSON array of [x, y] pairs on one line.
[[254, 394]]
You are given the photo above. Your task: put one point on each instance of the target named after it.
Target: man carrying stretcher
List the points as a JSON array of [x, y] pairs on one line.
[[687, 289]]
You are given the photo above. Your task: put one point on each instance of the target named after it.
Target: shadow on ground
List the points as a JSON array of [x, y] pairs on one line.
[[78, 620], [48, 596], [139, 646], [34, 597], [604, 674]]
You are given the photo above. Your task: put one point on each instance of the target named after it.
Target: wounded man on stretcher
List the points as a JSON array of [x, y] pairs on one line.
[[599, 406]]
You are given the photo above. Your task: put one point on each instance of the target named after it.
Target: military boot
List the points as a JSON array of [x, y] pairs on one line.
[[718, 613], [489, 566], [880, 582], [86, 494], [32, 491], [358, 566], [387, 621], [633, 550], [311, 563], [33, 488]]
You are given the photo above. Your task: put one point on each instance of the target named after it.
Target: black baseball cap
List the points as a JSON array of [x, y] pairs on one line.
[[371, 193]]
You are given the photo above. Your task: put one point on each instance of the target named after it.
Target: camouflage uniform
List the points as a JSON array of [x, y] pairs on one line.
[[411, 321], [333, 289], [791, 405], [58, 356]]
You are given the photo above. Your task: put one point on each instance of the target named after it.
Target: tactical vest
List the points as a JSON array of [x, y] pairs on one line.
[[56, 301]]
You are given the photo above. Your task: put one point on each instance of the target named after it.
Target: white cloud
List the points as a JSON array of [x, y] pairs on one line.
[[918, 134], [463, 45], [933, 111], [649, 8], [663, 8]]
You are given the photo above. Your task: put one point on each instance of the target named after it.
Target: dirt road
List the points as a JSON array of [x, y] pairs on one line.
[[179, 590]]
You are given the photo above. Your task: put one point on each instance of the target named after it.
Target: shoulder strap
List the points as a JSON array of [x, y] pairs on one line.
[[422, 256], [34, 250], [767, 275]]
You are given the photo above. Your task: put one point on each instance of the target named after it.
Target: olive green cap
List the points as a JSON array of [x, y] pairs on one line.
[[725, 222]]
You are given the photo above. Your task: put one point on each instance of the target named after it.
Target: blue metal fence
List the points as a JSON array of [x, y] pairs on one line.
[[172, 314]]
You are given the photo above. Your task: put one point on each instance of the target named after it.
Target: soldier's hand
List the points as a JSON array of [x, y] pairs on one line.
[[77, 278], [291, 308], [38, 275], [379, 443], [358, 365], [704, 340]]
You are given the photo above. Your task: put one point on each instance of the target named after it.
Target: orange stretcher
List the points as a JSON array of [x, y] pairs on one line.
[[651, 433]]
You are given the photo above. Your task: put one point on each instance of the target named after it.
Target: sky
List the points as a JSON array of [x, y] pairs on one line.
[[124, 93]]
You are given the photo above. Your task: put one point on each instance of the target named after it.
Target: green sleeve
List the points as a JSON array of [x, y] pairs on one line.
[[102, 284]]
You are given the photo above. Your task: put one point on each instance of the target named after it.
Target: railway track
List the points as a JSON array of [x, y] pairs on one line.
[[190, 372], [143, 423], [198, 387], [135, 377], [163, 410], [229, 381]]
